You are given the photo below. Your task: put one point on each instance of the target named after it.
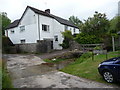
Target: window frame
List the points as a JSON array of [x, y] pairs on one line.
[[56, 38], [66, 27], [22, 28], [12, 31], [74, 30], [45, 28], [21, 41]]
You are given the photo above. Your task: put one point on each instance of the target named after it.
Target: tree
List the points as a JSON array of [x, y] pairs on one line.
[[97, 25], [67, 37], [75, 20], [114, 25], [5, 22], [87, 39]]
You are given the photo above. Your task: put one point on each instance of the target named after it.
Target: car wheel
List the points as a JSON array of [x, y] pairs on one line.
[[108, 76]]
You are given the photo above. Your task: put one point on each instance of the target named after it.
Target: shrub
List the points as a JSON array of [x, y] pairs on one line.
[[67, 37], [87, 39]]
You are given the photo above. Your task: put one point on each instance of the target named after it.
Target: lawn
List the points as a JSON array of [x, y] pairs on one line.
[[87, 68]]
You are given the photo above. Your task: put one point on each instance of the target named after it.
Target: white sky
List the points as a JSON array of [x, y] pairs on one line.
[[62, 8]]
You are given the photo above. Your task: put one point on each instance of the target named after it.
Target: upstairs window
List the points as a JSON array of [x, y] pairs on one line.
[[12, 31], [22, 41], [22, 28], [45, 27], [74, 30], [66, 27], [56, 38]]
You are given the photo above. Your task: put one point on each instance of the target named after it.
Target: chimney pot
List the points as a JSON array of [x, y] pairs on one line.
[[47, 10]]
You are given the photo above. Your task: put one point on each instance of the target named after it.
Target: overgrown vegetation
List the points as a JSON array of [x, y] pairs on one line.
[[87, 68], [6, 44], [97, 29], [5, 21], [6, 80], [67, 37], [87, 39]]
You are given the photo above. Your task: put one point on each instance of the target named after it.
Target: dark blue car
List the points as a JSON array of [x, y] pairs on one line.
[[110, 69]]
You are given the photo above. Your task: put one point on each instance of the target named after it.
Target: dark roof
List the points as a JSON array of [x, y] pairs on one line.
[[60, 20], [13, 24]]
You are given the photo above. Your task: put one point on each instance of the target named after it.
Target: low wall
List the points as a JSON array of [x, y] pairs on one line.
[[42, 46], [26, 47]]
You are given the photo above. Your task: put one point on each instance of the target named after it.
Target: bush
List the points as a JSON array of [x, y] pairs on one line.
[[67, 37], [87, 39], [6, 44]]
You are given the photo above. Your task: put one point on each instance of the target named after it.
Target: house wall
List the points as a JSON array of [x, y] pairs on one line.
[[29, 34], [72, 30], [55, 29]]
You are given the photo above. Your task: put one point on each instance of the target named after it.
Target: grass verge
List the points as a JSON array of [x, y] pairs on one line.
[[6, 80], [87, 68]]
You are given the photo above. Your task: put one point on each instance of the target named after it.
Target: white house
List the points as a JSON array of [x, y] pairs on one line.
[[36, 25]]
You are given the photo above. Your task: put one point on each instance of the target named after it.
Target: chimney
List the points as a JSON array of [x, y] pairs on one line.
[[47, 10]]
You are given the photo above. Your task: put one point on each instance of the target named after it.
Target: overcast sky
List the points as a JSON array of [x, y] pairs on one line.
[[62, 8]]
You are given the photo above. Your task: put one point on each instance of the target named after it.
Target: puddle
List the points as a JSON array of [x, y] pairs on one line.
[[63, 64]]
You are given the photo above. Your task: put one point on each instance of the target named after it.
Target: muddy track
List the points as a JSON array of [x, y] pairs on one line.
[[28, 71]]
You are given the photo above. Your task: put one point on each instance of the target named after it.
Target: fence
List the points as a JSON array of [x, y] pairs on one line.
[[107, 54]]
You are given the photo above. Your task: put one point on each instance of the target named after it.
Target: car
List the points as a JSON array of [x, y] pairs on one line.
[[110, 69]]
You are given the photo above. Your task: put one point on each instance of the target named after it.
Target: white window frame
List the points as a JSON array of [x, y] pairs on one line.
[[66, 27], [56, 38], [12, 31], [47, 27], [74, 30], [22, 28], [22, 41]]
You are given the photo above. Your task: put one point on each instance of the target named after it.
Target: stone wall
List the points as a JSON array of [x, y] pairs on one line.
[[26, 47], [42, 46], [74, 45]]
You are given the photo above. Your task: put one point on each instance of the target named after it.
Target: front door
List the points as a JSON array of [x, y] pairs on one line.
[[51, 44]]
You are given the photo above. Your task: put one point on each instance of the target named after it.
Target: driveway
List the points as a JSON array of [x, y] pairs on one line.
[[27, 71]]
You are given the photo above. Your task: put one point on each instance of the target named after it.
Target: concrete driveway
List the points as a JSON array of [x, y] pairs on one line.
[[27, 71]]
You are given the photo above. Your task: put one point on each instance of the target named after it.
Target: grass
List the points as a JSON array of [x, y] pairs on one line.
[[6, 80], [87, 68]]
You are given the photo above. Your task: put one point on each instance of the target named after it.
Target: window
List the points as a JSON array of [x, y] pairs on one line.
[[74, 29], [66, 27], [56, 38], [45, 27], [22, 28], [22, 41], [12, 31]]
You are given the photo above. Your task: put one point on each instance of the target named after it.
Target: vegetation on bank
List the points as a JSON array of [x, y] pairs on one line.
[[86, 67], [6, 80]]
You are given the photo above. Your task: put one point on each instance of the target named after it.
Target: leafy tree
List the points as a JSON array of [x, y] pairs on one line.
[[75, 20], [97, 25], [114, 25], [67, 37], [5, 22], [87, 39]]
